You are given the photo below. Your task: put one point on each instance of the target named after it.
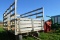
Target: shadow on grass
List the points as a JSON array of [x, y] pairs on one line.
[[4, 35]]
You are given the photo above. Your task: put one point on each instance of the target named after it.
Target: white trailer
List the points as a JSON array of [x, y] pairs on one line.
[[32, 21]]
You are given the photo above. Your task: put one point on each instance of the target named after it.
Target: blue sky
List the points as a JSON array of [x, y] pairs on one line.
[[51, 7]]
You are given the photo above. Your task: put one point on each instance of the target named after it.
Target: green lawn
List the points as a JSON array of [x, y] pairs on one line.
[[4, 35], [43, 36], [50, 36], [47, 36]]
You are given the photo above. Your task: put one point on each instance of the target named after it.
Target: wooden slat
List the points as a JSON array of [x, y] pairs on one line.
[[25, 26], [12, 20], [9, 8], [32, 14], [12, 15], [36, 21], [4, 14], [37, 28], [12, 25], [23, 22], [12, 4], [32, 11], [11, 11], [4, 18], [25, 30], [5, 25], [25, 19], [37, 25], [5, 22], [39, 16]]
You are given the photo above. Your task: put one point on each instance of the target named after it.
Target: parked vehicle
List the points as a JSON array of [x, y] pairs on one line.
[[56, 19], [24, 23]]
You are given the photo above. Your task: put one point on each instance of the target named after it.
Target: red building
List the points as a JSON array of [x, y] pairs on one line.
[[47, 26]]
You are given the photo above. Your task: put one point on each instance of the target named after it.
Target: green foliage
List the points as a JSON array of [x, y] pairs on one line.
[[55, 26]]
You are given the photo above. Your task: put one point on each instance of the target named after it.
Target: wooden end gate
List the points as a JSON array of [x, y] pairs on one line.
[[32, 21]]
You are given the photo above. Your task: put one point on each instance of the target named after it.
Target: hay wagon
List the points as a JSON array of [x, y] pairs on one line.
[[26, 23]]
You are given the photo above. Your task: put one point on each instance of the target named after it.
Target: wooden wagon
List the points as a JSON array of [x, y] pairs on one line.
[[32, 21]]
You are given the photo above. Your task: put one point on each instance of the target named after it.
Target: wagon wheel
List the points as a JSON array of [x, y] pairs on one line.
[[18, 37], [35, 34]]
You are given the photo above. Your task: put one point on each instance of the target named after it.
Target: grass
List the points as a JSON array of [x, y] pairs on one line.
[[50, 36], [46, 36], [4, 35]]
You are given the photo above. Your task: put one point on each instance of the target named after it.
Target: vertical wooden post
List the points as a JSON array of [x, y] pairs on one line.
[[15, 15], [10, 18], [32, 24]]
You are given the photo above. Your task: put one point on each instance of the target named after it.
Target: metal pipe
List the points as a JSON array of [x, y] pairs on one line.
[[43, 13], [15, 15], [43, 20]]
